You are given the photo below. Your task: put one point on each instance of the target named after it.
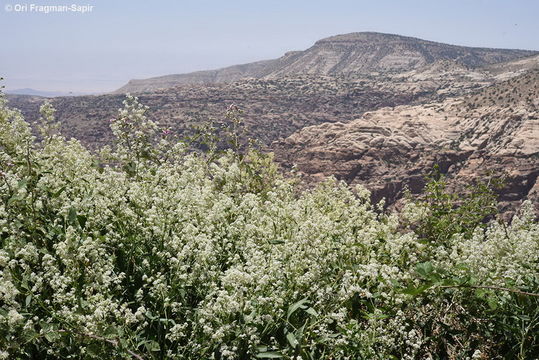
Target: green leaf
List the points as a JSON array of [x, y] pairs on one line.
[[24, 282], [45, 326], [81, 220], [57, 193], [22, 183], [14, 198], [312, 312], [412, 290], [72, 216], [481, 293], [130, 168], [151, 316], [52, 336], [123, 343], [424, 269], [30, 335], [93, 349], [292, 340], [294, 307], [269, 355], [377, 316], [492, 303], [152, 346], [111, 331], [28, 300]]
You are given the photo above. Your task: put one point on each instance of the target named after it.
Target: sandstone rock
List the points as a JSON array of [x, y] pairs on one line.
[[390, 150]]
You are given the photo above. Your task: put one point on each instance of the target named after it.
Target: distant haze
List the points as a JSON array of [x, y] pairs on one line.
[[119, 40]]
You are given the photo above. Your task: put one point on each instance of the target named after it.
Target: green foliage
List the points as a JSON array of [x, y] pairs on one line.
[[149, 250], [451, 213]]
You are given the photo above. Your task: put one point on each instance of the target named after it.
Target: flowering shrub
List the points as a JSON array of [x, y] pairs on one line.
[[150, 251]]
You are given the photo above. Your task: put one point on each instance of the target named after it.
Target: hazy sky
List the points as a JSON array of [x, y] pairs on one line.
[[124, 39]]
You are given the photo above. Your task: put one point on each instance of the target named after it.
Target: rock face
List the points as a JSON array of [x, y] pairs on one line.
[[354, 53], [492, 131]]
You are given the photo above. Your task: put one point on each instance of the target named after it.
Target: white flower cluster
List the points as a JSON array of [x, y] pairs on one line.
[[183, 261], [503, 254]]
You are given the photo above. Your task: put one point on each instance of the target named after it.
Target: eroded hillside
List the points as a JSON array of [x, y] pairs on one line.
[[493, 131], [354, 53]]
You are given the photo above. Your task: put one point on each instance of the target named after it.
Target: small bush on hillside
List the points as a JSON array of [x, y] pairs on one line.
[[150, 251]]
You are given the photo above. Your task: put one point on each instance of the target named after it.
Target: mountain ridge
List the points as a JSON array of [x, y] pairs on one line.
[[345, 54]]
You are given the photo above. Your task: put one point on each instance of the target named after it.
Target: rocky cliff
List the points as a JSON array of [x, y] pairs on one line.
[[493, 131]]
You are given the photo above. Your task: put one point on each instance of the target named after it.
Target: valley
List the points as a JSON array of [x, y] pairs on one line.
[[376, 109]]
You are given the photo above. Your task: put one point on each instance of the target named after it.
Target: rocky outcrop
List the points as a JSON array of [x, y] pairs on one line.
[[392, 149]]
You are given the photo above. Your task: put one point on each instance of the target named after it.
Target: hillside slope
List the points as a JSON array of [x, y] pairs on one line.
[[492, 131], [348, 54], [273, 108]]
